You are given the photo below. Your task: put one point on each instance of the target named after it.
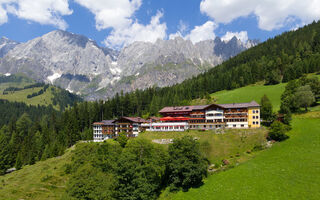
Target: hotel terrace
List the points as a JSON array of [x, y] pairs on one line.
[[181, 118]]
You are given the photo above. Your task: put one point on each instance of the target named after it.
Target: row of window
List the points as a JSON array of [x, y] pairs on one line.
[[255, 122], [255, 117], [97, 135], [205, 126], [255, 111], [217, 115], [168, 127]]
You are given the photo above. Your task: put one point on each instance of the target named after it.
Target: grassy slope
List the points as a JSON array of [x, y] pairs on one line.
[[252, 92], [21, 96], [289, 170], [44, 180], [217, 147]]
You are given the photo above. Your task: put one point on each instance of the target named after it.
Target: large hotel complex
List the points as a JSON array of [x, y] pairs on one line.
[[181, 118]]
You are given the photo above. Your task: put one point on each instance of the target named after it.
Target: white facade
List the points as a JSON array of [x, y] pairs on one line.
[[166, 126], [97, 133], [214, 115], [237, 125]]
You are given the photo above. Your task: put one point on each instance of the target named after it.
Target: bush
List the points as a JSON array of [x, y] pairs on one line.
[[277, 131], [186, 166]]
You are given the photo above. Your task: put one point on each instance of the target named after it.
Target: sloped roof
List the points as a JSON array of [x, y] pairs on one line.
[[135, 119], [183, 108], [240, 105], [105, 122], [201, 107], [154, 118], [108, 122], [177, 109]]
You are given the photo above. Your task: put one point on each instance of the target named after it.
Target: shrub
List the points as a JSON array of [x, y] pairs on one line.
[[277, 131]]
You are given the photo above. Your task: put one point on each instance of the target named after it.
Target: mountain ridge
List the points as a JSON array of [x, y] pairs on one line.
[[60, 57]]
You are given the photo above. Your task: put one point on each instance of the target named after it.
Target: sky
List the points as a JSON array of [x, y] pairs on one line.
[[117, 23]]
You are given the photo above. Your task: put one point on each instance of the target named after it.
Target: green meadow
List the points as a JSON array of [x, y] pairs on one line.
[[229, 144], [44, 99], [288, 170], [43, 180], [252, 92]]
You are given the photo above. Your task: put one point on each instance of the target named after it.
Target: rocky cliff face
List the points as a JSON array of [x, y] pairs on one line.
[[6, 45], [79, 65]]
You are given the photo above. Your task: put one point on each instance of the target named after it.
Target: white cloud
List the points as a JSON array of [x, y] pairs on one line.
[[242, 35], [119, 16], [199, 33], [182, 27], [112, 13], [203, 32], [271, 14], [40, 11], [137, 32]]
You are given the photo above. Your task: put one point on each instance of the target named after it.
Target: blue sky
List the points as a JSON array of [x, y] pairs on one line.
[[116, 23]]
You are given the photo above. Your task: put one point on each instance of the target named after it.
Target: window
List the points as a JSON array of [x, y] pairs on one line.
[[242, 125], [234, 125], [257, 122], [257, 111], [254, 122], [253, 117], [257, 117], [253, 111]]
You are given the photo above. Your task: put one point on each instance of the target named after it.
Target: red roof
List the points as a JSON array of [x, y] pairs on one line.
[[174, 119]]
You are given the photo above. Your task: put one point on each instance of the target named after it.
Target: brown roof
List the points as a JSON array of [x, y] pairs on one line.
[[105, 122], [240, 105], [177, 109], [183, 108], [154, 118], [201, 107], [135, 119]]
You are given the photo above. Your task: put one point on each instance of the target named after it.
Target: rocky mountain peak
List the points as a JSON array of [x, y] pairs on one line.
[[6, 45], [80, 65]]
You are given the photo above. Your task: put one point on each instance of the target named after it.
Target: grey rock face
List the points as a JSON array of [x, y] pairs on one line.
[[6, 45], [79, 65]]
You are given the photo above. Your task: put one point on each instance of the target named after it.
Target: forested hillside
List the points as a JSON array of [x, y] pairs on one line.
[[281, 59]]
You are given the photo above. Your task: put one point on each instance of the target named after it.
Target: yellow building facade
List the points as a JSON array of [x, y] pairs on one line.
[[254, 117]]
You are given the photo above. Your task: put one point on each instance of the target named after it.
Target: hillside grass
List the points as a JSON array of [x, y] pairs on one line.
[[230, 144], [44, 99], [252, 92], [43, 180], [288, 170], [247, 94]]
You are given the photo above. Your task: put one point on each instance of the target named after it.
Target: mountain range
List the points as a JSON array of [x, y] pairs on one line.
[[80, 65]]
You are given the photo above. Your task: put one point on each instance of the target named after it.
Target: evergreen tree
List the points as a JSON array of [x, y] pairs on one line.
[[266, 109], [19, 161]]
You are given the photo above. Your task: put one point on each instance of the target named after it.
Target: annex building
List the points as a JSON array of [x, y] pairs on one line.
[[181, 118]]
